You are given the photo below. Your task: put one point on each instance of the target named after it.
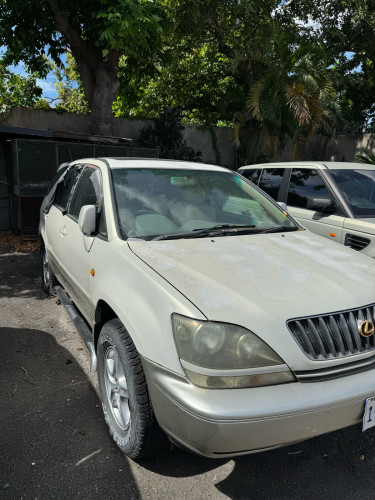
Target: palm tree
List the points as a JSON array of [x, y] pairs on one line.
[[291, 99]]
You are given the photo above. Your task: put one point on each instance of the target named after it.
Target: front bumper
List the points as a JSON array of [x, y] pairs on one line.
[[223, 423]]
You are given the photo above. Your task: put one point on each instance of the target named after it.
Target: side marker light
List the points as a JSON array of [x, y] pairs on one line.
[[92, 272]]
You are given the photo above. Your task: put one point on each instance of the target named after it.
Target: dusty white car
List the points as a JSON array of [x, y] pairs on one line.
[[209, 313]]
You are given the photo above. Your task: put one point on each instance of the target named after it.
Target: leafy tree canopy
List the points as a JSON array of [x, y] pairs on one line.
[[96, 32], [16, 90]]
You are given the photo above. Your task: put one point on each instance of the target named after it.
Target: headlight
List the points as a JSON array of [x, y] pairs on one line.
[[209, 351]]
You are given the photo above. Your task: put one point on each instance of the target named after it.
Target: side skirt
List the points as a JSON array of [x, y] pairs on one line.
[[79, 323]]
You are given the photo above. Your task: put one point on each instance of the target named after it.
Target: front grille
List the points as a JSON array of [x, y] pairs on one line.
[[332, 336], [356, 242]]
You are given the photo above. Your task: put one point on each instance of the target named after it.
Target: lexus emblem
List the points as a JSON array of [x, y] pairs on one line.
[[366, 328]]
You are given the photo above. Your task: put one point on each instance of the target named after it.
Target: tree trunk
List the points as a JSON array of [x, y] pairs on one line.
[[100, 85], [98, 73]]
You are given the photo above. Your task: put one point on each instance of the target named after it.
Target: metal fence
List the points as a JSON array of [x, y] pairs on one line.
[[34, 164]]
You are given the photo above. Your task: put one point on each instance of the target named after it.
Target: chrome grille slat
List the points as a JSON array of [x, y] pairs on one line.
[[336, 335], [314, 334], [355, 332], [308, 345], [326, 335], [345, 330]]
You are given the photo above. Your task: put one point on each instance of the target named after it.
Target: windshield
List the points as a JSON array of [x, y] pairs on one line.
[[155, 202], [358, 189]]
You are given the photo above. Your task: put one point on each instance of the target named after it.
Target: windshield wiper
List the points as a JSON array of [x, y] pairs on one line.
[[222, 229], [209, 231], [280, 229]]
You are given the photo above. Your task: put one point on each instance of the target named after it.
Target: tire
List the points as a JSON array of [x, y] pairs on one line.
[[125, 399], [49, 280]]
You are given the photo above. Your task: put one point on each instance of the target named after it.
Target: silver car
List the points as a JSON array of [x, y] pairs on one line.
[[333, 199], [211, 316]]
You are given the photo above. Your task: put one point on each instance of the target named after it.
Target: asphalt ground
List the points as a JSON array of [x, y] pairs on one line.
[[54, 442]]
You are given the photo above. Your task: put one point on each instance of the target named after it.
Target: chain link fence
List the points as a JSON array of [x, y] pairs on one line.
[[34, 164]]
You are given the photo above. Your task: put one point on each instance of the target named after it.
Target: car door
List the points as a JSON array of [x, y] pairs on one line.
[[306, 184], [54, 220], [76, 258]]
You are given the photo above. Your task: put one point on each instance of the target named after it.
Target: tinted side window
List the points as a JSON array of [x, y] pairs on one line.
[[270, 181], [89, 192], [252, 175], [304, 184], [63, 191]]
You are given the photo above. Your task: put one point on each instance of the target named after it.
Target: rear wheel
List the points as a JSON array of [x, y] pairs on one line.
[[126, 402], [49, 280]]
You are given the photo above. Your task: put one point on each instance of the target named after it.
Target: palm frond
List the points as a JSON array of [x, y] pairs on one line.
[[367, 157]]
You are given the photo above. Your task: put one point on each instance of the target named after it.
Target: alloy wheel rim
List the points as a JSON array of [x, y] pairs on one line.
[[45, 268], [116, 388]]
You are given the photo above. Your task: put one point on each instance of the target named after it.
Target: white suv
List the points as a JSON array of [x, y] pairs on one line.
[[209, 313], [333, 199]]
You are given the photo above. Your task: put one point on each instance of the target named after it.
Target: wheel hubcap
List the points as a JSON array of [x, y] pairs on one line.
[[116, 388]]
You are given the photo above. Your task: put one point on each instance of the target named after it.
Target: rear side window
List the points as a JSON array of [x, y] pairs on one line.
[[65, 188], [270, 181], [304, 184], [56, 177]]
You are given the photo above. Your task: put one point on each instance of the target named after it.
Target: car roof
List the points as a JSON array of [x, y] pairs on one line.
[[321, 165], [127, 162]]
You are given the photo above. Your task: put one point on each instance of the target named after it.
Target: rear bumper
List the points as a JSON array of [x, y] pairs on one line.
[[223, 423]]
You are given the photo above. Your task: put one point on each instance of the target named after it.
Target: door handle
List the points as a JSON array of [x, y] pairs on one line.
[[63, 231]]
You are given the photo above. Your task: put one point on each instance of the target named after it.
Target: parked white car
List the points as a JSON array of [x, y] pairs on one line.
[[209, 313], [333, 199]]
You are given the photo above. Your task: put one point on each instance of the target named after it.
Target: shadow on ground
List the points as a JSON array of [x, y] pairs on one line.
[[335, 465], [54, 442], [20, 275]]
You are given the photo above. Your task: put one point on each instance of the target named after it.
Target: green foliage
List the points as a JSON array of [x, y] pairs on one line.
[[166, 134], [293, 98], [96, 32], [16, 90], [70, 94], [346, 28], [367, 157], [29, 28]]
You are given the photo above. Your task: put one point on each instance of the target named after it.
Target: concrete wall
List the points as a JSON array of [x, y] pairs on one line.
[[199, 138], [339, 148]]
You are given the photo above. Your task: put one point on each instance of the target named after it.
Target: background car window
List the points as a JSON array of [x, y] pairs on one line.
[[252, 175], [64, 189], [305, 184], [88, 192], [270, 181], [358, 189]]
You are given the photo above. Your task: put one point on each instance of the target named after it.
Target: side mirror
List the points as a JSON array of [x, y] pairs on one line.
[[87, 219], [323, 205]]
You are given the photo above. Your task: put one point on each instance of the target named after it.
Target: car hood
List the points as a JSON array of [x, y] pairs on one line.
[[261, 281], [365, 225]]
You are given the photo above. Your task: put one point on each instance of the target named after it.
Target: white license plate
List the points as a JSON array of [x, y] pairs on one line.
[[369, 415]]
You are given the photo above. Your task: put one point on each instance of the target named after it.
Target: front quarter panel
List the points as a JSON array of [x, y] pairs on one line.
[[141, 298]]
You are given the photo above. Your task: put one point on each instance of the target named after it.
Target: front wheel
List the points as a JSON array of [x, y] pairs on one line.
[[126, 402]]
